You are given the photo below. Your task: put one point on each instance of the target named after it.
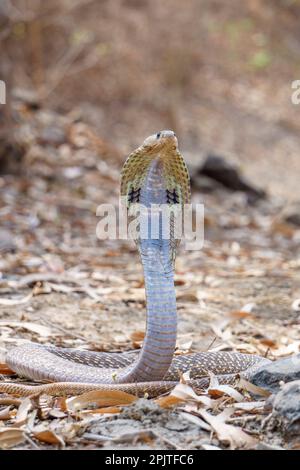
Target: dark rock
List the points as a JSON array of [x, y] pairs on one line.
[[204, 184], [286, 408], [270, 376], [293, 219], [292, 215], [11, 156], [225, 173]]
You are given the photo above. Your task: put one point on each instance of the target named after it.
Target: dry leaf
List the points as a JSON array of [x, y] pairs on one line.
[[185, 392], [238, 315], [23, 411], [10, 401], [14, 302], [249, 405], [234, 436], [196, 420], [100, 398], [55, 413], [268, 342], [188, 295], [169, 401], [137, 336], [248, 307], [108, 410], [210, 447], [11, 437], [42, 330], [245, 385], [292, 348], [221, 390], [49, 437], [5, 414], [41, 289], [217, 390], [5, 370]]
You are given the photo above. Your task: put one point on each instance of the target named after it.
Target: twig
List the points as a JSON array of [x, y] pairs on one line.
[[34, 445], [60, 328], [167, 441], [211, 344]]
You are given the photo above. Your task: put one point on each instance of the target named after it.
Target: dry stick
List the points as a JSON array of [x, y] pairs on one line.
[[61, 70], [128, 437], [167, 441], [10, 401], [96, 437], [212, 342], [34, 445], [60, 328], [44, 277]]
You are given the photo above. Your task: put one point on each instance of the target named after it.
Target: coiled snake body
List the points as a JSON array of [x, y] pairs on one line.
[[154, 176]]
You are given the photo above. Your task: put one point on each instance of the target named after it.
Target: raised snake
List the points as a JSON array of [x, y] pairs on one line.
[[154, 175]]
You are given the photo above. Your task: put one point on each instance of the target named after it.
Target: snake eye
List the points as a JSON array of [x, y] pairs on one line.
[[158, 135]]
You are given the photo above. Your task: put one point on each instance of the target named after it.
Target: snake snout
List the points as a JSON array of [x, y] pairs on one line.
[[166, 134], [167, 138]]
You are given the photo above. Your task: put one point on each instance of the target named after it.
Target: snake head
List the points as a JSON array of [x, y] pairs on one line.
[[162, 142]]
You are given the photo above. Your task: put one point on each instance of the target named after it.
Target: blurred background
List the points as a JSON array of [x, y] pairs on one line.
[[218, 73]]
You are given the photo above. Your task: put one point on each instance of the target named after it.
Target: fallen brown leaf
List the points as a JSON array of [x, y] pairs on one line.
[[100, 398], [6, 413], [49, 437], [245, 385], [228, 434], [169, 401], [23, 411], [108, 409], [5, 370], [137, 336], [11, 437], [184, 392], [220, 390]]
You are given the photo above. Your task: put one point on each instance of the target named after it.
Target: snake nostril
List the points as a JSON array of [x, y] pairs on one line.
[[158, 135]]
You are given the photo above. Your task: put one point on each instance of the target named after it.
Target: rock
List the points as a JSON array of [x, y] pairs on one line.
[[225, 173], [293, 219], [7, 242], [292, 215], [29, 98], [271, 375], [265, 446], [11, 155], [286, 408], [203, 183], [52, 135]]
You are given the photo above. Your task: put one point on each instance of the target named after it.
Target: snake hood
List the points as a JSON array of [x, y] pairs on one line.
[[155, 175], [161, 148]]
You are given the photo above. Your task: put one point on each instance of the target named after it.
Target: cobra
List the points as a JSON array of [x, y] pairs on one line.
[[154, 175]]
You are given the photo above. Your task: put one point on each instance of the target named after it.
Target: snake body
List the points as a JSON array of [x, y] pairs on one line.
[[154, 176]]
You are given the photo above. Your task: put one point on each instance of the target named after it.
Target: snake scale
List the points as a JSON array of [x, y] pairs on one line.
[[154, 175]]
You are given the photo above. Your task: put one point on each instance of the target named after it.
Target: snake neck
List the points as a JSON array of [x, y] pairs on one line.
[[161, 325]]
